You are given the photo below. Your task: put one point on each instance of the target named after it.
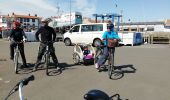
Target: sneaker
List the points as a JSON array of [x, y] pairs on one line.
[[25, 66], [96, 65], [35, 67], [11, 58], [56, 65]]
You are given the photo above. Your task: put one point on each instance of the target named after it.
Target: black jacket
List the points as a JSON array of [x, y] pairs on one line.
[[17, 34], [47, 34]]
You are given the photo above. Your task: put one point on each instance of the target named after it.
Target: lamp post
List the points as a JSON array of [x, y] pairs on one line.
[[70, 14]]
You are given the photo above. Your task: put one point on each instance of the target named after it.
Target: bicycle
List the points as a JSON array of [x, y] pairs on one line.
[[111, 68], [16, 56], [46, 56], [19, 87]]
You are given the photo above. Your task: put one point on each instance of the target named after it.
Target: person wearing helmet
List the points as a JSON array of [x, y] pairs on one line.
[[110, 34], [47, 33], [96, 95], [17, 35]]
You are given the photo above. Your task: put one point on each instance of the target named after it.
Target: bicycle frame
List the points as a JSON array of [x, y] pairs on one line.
[[110, 62], [19, 87], [47, 57], [20, 91], [16, 55]]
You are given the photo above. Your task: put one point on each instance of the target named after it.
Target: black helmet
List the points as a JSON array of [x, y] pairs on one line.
[[96, 95], [110, 26]]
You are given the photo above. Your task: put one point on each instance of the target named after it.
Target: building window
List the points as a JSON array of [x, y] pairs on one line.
[[28, 19], [150, 29], [33, 20], [21, 19], [25, 20]]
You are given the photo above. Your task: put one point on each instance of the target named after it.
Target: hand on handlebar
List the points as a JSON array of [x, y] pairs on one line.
[[9, 39], [25, 40]]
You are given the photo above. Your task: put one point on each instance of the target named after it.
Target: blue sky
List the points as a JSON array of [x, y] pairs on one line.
[[135, 10]]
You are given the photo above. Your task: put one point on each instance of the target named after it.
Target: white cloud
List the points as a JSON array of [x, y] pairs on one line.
[[87, 7], [40, 7], [45, 8]]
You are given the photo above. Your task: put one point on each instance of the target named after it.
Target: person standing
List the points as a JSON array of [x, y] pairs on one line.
[[47, 34]]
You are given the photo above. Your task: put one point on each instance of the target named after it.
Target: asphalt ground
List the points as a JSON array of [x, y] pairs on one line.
[[146, 70]]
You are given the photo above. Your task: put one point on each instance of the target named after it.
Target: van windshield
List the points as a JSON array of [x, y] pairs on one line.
[[75, 29]]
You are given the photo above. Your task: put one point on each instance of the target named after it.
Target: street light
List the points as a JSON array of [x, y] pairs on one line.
[[70, 14]]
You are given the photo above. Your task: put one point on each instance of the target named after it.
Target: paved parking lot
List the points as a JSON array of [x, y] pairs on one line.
[[150, 81]]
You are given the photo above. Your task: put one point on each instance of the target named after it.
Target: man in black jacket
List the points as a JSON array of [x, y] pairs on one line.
[[16, 36], [47, 34]]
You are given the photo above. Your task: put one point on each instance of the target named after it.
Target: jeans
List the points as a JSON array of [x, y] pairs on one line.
[[105, 55], [42, 49], [21, 49]]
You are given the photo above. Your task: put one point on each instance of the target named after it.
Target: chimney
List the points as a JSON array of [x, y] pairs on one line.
[[36, 15], [28, 14]]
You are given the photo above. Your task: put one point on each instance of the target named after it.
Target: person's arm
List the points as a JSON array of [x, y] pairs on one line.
[[24, 35], [11, 34], [37, 34], [54, 34], [116, 36], [104, 35]]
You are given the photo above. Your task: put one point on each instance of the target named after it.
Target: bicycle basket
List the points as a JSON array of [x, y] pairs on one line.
[[111, 42]]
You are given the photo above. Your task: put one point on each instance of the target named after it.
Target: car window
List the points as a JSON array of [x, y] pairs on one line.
[[87, 28], [75, 29]]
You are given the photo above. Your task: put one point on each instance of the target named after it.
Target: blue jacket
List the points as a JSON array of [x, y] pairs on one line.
[[109, 35]]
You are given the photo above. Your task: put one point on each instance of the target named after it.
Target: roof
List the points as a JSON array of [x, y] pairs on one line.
[[144, 23], [25, 16]]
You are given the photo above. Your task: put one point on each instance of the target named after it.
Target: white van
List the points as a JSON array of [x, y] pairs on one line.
[[85, 33]]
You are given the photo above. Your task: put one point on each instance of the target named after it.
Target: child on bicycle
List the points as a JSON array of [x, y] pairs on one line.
[[110, 34]]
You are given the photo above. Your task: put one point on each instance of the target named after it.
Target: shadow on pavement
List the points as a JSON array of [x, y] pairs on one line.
[[119, 71], [126, 68]]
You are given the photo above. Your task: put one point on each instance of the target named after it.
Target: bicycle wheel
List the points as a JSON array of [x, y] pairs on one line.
[[97, 55], [47, 61], [16, 55], [111, 64], [76, 58]]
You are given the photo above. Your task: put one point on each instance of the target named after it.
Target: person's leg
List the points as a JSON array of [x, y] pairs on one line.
[[40, 54], [53, 55], [103, 58], [113, 52], [21, 49], [12, 45]]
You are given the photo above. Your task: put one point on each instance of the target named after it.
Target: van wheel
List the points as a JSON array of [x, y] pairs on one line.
[[67, 42], [97, 42]]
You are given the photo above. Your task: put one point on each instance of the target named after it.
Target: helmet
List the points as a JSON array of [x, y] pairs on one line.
[[47, 20], [17, 23], [96, 95], [110, 26]]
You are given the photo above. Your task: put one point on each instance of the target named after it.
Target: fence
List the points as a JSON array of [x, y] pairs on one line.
[[157, 37]]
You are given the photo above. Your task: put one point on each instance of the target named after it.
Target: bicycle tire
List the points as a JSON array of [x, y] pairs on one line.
[[97, 55], [76, 58], [16, 62], [111, 64], [47, 61]]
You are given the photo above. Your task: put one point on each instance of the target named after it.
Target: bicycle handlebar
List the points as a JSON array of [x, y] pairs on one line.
[[25, 81]]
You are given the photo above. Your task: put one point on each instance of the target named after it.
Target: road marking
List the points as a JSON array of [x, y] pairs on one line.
[[7, 81], [1, 79]]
